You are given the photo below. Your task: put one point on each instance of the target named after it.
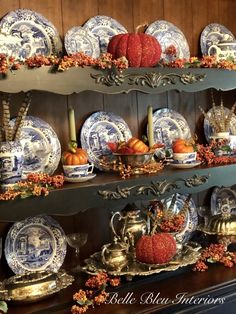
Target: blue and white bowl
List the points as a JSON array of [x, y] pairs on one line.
[[78, 171], [184, 158]]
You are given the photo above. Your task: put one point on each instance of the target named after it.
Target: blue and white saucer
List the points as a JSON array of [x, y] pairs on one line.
[[186, 165], [81, 179]]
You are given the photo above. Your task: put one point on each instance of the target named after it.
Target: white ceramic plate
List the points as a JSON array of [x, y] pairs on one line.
[[169, 125], [33, 34], [185, 166], [104, 28], [82, 179], [168, 34], [42, 149], [213, 34], [102, 127], [35, 244], [78, 39]]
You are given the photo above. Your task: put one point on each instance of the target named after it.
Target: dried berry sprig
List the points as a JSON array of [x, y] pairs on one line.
[[36, 184], [215, 253], [97, 295]]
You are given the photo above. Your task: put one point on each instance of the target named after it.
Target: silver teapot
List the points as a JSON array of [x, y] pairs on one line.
[[115, 255], [133, 226]]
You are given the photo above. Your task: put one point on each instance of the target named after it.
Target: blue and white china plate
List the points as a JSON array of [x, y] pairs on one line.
[[35, 34], [35, 244], [168, 34], [208, 130], [185, 166], [81, 179], [99, 129], [78, 39], [104, 28], [169, 125], [213, 34], [220, 196], [42, 149], [174, 205]]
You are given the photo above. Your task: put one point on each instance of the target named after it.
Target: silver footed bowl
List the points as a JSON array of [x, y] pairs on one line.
[[134, 160]]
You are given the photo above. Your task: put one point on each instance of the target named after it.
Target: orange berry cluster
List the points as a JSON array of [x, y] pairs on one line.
[[96, 296], [36, 184], [213, 254]]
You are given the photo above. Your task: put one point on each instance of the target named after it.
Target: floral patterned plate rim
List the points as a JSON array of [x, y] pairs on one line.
[[34, 244], [169, 35], [98, 129], [213, 34], [78, 39], [104, 28], [35, 34]]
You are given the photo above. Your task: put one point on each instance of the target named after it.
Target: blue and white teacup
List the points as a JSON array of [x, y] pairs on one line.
[[184, 158], [78, 171]]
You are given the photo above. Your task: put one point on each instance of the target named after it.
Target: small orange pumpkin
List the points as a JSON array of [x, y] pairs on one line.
[[79, 157], [137, 145]]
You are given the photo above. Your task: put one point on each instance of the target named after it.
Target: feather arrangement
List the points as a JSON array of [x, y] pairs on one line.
[[219, 119], [8, 132]]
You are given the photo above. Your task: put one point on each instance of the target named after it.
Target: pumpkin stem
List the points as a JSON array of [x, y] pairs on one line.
[[141, 28], [72, 145]]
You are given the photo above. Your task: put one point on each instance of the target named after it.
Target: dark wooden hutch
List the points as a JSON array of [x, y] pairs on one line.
[[84, 206]]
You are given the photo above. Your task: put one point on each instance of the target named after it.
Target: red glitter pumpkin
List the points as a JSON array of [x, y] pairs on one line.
[[156, 249], [141, 50]]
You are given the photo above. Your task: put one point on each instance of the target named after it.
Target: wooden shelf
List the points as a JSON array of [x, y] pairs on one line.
[[147, 80], [109, 190]]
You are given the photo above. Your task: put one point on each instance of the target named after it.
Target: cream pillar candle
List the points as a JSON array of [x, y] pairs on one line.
[[150, 127], [72, 128]]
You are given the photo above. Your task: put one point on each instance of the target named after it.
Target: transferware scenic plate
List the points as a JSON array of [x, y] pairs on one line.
[[220, 196], [185, 166], [174, 205], [36, 35], [42, 149], [35, 244], [208, 131], [213, 34], [169, 125], [104, 28], [78, 39], [168, 34], [102, 127], [82, 179]]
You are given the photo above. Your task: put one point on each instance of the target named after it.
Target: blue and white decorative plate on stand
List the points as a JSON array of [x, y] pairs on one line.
[[35, 244], [99, 129], [174, 205], [42, 149], [169, 125], [78, 39], [36, 35], [212, 35], [104, 28], [168, 34]]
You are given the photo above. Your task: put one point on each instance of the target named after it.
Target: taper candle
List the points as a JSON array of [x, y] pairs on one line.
[[150, 127], [72, 129]]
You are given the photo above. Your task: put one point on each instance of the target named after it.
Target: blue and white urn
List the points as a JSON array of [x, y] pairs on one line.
[[11, 162]]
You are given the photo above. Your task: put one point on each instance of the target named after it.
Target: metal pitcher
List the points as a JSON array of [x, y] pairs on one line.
[[133, 226]]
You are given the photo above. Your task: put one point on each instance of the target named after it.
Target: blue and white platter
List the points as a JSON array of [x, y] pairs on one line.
[[42, 149], [35, 244], [213, 34], [104, 28], [168, 34], [99, 129], [78, 39], [174, 205], [208, 130], [30, 34], [169, 125]]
